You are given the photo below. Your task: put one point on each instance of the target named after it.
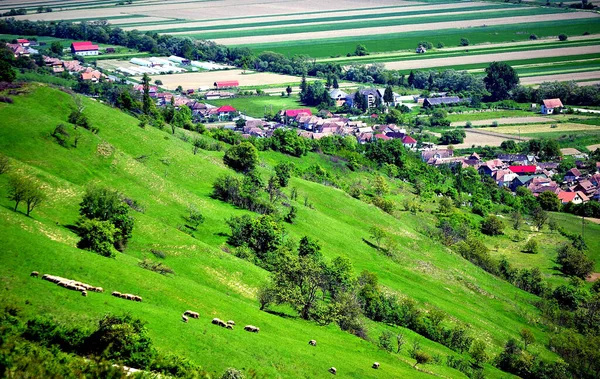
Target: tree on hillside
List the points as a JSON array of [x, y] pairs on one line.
[[146, 99], [104, 204], [492, 226], [540, 217], [24, 189], [4, 163], [500, 79], [360, 50], [242, 157], [527, 336], [549, 201], [303, 85], [56, 47], [574, 262]]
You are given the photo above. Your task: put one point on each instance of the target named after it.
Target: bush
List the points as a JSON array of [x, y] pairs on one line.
[[291, 216], [4, 163], [385, 340], [464, 42], [533, 37], [492, 226], [422, 358], [242, 157], [531, 247], [562, 37], [158, 267], [97, 236]]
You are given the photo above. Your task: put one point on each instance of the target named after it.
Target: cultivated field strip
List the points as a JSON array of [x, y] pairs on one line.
[[353, 23], [486, 58], [218, 9], [363, 13], [579, 76], [357, 32]]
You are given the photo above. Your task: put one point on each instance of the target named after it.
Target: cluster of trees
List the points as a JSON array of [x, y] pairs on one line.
[[23, 189], [568, 92], [105, 223], [315, 94], [451, 137], [44, 347]]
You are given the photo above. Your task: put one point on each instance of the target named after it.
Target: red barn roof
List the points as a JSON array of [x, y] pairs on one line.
[[227, 84], [22, 40], [408, 140], [83, 46], [296, 112], [523, 169], [553, 103], [226, 108]]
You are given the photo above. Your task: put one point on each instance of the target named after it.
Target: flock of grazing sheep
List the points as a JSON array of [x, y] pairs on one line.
[[83, 288]]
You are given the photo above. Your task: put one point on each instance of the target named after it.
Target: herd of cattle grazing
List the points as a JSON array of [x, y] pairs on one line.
[[84, 288]]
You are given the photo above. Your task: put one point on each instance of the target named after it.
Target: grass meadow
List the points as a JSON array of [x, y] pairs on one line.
[[207, 278]]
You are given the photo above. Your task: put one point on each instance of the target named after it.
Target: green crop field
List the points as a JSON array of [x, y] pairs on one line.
[[207, 278], [449, 37]]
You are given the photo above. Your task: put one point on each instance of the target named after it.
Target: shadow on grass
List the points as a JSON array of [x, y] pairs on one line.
[[281, 314], [371, 244]]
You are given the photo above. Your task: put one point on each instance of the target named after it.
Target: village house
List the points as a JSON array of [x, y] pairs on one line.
[[152, 90], [572, 175], [541, 184], [225, 111], [226, 84], [504, 178], [409, 142], [572, 197], [215, 95], [429, 156], [550, 106], [84, 48], [338, 96], [18, 50], [91, 75], [23, 42], [291, 114], [372, 96], [524, 180], [523, 170], [585, 186]]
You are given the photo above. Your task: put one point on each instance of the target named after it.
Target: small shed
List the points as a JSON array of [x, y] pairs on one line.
[[550, 106]]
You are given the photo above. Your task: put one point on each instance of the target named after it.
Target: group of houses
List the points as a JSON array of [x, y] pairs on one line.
[[22, 48], [520, 170], [74, 67]]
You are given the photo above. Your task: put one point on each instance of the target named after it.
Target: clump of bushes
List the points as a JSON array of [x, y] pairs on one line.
[[158, 267]]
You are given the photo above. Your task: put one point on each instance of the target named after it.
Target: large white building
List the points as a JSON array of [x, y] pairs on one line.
[[84, 48]]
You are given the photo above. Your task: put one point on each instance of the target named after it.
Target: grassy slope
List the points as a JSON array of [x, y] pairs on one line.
[[207, 279]]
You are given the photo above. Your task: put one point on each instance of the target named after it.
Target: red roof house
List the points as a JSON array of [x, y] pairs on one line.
[[296, 112], [227, 84], [408, 141], [382, 137], [226, 109], [549, 105], [572, 197], [523, 169], [23, 42], [84, 48]]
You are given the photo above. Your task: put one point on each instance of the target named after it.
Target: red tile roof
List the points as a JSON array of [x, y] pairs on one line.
[[573, 172], [382, 136], [552, 103], [83, 46], [296, 112], [227, 84], [226, 108], [408, 140], [523, 169], [566, 197], [22, 40]]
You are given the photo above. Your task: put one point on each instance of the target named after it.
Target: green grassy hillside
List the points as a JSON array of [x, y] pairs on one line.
[[159, 171]]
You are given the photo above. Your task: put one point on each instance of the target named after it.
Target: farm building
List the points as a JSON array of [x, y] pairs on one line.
[[433, 101], [160, 61], [179, 60], [227, 84], [549, 105], [338, 96], [23, 42], [141, 62], [84, 48]]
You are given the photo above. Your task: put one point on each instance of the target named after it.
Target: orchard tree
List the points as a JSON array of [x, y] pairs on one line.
[[549, 201], [540, 217], [24, 189], [500, 80]]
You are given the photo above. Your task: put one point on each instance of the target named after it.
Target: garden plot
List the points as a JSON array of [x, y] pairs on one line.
[[206, 80], [578, 76], [506, 121]]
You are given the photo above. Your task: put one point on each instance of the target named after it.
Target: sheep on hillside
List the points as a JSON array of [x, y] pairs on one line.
[[333, 370], [34, 274], [312, 343], [184, 318], [375, 365]]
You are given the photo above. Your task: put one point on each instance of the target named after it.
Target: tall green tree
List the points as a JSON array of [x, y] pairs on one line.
[[388, 95], [147, 102], [242, 157], [500, 79]]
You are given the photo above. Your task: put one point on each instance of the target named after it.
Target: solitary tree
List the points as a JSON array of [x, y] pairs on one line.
[[421, 358], [24, 189], [492, 226], [242, 157], [288, 90], [549, 201], [527, 337], [378, 235], [500, 80], [540, 217], [478, 353], [388, 95]]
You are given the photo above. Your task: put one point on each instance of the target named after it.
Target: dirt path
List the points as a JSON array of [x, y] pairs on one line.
[[593, 277], [404, 28]]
